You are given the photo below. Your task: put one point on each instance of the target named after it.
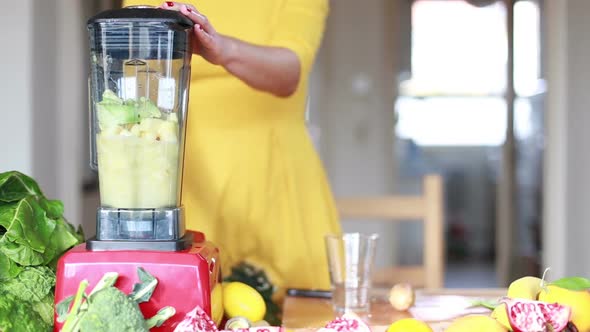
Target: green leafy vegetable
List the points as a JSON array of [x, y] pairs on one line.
[[33, 235], [53, 208], [33, 289], [572, 283], [15, 186], [110, 97], [8, 268], [485, 304], [18, 316], [147, 109], [73, 319], [112, 110], [158, 319], [31, 285], [62, 308], [116, 114], [108, 279], [22, 255], [45, 309], [142, 292], [33, 230], [29, 225]]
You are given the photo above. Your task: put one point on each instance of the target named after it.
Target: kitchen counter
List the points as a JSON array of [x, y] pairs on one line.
[[309, 314]]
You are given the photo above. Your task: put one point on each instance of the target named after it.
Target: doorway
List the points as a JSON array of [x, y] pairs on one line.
[[453, 117]]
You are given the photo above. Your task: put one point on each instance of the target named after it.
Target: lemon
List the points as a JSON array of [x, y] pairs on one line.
[[240, 299], [579, 301], [525, 288], [409, 325], [501, 316], [217, 304], [479, 323]]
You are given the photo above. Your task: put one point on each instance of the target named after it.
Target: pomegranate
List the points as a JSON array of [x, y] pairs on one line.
[[258, 329], [347, 323], [196, 321], [535, 316]]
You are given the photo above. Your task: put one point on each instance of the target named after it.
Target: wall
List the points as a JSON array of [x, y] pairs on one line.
[[567, 157], [44, 88], [353, 89], [16, 87]]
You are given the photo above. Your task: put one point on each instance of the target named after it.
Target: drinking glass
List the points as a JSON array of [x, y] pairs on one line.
[[350, 259]]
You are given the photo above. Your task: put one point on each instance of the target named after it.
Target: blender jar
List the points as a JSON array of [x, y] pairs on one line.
[[138, 91]]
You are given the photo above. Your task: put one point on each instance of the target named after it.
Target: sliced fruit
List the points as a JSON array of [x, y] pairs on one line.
[[501, 316], [348, 322], [150, 125], [196, 321], [536, 316], [578, 301], [168, 131]]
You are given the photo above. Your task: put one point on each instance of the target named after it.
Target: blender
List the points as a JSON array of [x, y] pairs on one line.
[[138, 98]]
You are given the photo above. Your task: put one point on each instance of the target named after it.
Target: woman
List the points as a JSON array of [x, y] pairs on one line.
[[252, 180]]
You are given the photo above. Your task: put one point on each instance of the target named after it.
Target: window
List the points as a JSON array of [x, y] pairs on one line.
[[455, 94]]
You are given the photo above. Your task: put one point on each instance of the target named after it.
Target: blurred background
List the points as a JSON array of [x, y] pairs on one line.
[[489, 94]]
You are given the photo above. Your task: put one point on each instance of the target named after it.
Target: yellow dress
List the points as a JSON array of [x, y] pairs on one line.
[[253, 182]]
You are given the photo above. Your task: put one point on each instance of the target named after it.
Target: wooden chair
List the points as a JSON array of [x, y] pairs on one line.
[[427, 208]]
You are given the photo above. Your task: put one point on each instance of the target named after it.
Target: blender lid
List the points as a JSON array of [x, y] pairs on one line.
[[141, 14]]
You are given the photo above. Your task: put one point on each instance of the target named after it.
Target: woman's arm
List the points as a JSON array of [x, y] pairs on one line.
[[272, 69]]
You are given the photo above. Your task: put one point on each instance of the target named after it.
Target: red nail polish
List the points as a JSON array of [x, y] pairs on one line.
[[170, 3]]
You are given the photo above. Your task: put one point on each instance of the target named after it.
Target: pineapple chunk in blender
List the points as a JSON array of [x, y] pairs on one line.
[[138, 162]]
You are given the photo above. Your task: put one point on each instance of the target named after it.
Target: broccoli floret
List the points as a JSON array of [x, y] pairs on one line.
[[108, 309], [112, 310]]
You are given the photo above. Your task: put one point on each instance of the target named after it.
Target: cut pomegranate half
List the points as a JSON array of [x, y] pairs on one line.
[[347, 323], [196, 321], [536, 316]]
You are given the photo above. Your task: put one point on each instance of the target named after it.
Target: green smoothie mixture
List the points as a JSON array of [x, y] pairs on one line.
[[137, 150]]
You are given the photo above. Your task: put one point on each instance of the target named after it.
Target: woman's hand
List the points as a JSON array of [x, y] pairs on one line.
[[212, 46], [272, 69]]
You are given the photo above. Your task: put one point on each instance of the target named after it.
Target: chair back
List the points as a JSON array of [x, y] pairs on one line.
[[427, 208]]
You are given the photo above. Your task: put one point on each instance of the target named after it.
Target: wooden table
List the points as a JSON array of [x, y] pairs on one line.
[[309, 314]]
